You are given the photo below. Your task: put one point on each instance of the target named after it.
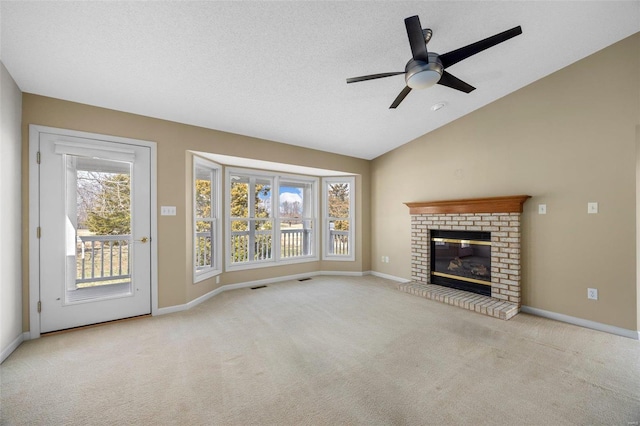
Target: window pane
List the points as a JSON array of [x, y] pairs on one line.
[[339, 237], [239, 225], [263, 225], [203, 192], [204, 239], [295, 199], [262, 195], [239, 241], [263, 246], [263, 240], [239, 247], [239, 197], [98, 225], [338, 199], [296, 237]]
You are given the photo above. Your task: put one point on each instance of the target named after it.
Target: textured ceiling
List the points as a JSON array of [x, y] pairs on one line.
[[277, 70]]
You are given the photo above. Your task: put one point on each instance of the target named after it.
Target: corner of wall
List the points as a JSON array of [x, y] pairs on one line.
[[10, 218], [638, 226]]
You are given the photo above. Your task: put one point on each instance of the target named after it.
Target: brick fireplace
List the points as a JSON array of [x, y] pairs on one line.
[[498, 215]]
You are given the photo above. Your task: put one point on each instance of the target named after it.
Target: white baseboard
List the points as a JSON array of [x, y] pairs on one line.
[[632, 334], [197, 301], [13, 346], [170, 309], [204, 297], [389, 277], [342, 273]]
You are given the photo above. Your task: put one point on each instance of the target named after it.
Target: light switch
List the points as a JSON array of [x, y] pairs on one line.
[[592, 208], [542, 209], [167, 210]]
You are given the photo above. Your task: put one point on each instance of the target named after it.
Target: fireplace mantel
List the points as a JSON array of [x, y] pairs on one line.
[[509, 204]]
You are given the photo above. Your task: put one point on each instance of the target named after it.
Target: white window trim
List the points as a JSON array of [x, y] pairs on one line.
[[315, 182], [326, 219], [276, 259], [216, 201]]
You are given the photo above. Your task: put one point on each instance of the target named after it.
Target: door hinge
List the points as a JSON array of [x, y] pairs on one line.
[[39, 306], [38, 232], [38, 157]]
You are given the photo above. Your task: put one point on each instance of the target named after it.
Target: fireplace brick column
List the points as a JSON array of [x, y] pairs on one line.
[[505, 247]]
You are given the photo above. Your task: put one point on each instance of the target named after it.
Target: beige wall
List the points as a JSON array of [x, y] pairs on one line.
[[174, 140], [10, 218], [565, 140]]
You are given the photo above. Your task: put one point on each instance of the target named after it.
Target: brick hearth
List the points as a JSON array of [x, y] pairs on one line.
[[474, 302], [501, 217]]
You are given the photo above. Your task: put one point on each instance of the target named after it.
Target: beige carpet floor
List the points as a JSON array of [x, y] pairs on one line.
[[332, 350]]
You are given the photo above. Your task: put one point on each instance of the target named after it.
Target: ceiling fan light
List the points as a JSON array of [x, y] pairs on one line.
[[423, 79]]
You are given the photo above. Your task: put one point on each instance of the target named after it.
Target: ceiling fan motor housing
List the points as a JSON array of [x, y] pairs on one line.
[[421, 75]]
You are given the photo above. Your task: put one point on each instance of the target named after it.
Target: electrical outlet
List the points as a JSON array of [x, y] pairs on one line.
[[218, 279], [592, 293], [386, 259]]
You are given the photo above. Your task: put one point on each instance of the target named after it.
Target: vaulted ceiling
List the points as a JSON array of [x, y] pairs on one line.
[[277, 70]]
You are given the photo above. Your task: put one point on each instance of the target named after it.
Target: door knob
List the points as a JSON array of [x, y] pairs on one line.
[[143, 240]]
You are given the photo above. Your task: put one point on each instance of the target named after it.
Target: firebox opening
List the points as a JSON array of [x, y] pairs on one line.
[[461, 260]]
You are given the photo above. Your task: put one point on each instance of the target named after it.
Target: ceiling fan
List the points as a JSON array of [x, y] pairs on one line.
[[426, 69]]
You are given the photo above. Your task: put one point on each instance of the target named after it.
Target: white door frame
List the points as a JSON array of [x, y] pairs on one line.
[[34, 216]]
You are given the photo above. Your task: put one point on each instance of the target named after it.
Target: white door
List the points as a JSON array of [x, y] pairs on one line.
[[95, 212]]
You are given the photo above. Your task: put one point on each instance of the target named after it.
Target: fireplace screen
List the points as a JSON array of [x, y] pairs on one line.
[[462, 260]]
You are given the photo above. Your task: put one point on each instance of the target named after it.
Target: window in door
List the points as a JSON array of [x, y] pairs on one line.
[[97, 228]]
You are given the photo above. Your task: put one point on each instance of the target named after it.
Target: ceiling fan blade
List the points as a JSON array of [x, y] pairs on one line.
[[455, 83], [416, 39], [373, 76], [400, 97], [458, 55]]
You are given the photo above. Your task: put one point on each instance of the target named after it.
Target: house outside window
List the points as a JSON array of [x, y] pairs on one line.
[[338, 221], [207, 226], [271, 219]]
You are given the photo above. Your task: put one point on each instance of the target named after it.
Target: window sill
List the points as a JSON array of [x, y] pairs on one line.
[[205, 275], [339, 258], [269, 264]]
